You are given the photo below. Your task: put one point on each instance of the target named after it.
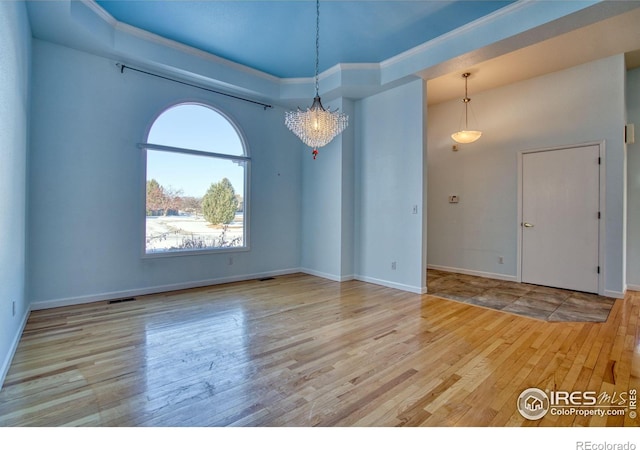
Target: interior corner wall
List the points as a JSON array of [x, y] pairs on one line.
[[389, 187], [578, 105], [633, 182], [327, 204], [348, 194], [15, 64], [86, 178]]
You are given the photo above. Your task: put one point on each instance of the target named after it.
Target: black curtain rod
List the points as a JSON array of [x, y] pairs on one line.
[[122, 67]]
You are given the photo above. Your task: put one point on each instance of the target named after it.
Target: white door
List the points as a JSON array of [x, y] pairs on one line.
[[560, 218]]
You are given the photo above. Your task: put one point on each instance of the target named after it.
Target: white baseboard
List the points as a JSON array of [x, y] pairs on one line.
[[614, 294], [477, 273], [633, 287], [328, 276], [391, 284], [47, 304], [4, 369]]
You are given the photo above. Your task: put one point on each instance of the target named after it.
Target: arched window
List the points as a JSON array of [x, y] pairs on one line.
[[196, 182]]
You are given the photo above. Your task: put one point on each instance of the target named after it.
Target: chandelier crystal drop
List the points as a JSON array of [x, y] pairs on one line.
[[466, 136], [316, 126]]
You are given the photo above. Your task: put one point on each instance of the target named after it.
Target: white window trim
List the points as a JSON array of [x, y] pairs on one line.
[[187, 151], [144, 146]]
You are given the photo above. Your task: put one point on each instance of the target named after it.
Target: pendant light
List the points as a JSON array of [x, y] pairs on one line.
[[466, 136], [316, 126]]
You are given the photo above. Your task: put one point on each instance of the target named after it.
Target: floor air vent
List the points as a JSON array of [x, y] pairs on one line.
[[122, 300]]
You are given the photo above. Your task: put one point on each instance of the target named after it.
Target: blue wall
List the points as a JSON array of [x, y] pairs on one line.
[[87, 184], [321, 209], [327, 204], [390, 181], [15, 56], [87, 187]]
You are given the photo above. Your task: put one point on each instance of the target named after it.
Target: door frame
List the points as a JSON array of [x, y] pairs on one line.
[[602, 221]]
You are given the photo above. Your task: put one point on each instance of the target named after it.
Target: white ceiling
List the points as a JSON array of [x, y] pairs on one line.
[[616, 35]]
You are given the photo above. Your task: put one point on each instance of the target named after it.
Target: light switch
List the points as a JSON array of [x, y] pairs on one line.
[[629, 134]]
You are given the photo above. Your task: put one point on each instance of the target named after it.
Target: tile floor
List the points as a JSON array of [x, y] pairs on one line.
[[538, 302]]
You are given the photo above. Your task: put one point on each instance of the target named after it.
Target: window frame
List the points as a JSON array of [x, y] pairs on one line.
[[245, 157]]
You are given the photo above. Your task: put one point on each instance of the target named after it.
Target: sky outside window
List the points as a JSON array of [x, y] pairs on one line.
[[194, 127]]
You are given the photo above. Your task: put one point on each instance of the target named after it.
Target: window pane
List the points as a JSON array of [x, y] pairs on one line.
[[193, 202], [196, 127]]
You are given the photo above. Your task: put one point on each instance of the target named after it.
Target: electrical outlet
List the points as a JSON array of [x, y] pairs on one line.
[[415, 209], [393, 265], [500, 260], [231, 260]]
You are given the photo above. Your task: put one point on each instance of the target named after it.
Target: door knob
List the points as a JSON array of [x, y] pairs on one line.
[[528, 225]]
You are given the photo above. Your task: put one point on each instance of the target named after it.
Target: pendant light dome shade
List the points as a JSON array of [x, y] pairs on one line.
[[466, 136]]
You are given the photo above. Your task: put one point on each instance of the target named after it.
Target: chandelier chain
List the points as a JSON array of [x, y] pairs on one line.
[[317, 46]]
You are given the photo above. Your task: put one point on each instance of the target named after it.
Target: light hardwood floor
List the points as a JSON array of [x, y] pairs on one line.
[[303, 351]]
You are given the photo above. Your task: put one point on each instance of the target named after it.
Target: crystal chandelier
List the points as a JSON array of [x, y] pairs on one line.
[[316, 126], [466, 136]]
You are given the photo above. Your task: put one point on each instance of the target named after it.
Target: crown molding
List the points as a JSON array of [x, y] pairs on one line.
[[191, 51], [97, 9], [338, 69], [456, 33], [353, 80], [174, 45]]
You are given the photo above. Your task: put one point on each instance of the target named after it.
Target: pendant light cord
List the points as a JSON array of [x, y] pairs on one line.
[[466, 101], [466, 105]]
